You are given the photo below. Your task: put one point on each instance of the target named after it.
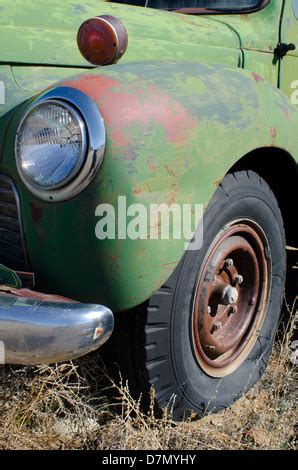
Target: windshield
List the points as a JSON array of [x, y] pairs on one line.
[[215, 5]]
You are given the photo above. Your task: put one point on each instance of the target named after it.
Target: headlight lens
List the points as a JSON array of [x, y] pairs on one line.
[[51, 144]]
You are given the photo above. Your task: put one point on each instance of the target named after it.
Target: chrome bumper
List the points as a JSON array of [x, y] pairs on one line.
[[42, 332]]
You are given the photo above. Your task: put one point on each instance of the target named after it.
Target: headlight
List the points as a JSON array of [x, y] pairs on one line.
[[51, 145], [60, 144]]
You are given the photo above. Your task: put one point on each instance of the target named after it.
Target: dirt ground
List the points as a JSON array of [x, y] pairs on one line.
[[66, 407]]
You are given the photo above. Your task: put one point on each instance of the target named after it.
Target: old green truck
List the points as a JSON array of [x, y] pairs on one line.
[[110, 109]]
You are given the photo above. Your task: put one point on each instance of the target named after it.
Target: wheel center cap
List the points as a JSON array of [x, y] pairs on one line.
[[229, 295]]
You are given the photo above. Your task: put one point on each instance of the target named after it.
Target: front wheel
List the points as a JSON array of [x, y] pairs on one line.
[[206, 336]]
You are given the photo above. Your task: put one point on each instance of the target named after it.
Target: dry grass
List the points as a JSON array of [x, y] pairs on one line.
[[65, 407]]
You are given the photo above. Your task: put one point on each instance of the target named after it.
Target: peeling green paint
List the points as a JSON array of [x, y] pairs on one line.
[[167, 36], [179, 113]]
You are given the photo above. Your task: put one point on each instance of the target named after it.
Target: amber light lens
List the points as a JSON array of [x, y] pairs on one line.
[[102, 40]]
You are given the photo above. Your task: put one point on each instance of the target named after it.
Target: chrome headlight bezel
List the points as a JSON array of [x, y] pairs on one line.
[[93, 134], [83, 132]]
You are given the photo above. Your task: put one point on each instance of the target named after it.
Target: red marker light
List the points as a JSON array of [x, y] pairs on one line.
[[102, 40]]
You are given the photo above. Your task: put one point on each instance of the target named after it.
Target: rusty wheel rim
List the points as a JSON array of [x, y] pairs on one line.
[[231, 298]]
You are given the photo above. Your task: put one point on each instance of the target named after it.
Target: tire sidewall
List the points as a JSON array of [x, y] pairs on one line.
[[196, 390]]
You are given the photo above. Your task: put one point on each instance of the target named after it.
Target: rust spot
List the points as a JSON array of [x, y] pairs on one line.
[[152, 167], [170, 264], [114, 259], [36, 212], [257, 78], [98, 332], [143, 189], [217, 183], [273, 132], [170, 171], [30, 294], [171, 198], [137, 192]]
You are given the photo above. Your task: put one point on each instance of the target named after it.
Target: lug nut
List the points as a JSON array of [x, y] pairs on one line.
[[238, 279], [217, 325], [229, 263], [233, 310]]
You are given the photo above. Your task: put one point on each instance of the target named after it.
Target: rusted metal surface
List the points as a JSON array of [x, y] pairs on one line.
[[30, 294], [27, 279], [191, 97], [228, 313]]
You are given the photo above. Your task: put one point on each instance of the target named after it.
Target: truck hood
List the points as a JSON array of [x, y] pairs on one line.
[[36, 34]]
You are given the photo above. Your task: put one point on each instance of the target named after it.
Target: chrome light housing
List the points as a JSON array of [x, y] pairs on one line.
[[60, 144]]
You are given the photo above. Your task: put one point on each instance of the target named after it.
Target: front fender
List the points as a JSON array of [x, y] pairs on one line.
[[173, 132]]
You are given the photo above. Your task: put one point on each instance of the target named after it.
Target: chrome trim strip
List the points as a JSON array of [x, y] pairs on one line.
[[96, 134], [42, 332]]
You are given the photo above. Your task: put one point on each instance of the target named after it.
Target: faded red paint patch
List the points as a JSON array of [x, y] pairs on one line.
[[102, 89], [257, 78], [273, 132], [287, 114], [142, 105], [92, 85]]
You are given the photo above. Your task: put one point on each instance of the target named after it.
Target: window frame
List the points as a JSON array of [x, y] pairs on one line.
[[295, 8], [206, 11]]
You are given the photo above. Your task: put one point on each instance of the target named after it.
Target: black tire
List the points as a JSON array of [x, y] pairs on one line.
[[154, 343]]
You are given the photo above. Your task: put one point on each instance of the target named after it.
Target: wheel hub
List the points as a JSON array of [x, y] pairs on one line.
[[231, 299]]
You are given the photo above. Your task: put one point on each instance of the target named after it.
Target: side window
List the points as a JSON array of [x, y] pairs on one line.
[[295, 8]]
